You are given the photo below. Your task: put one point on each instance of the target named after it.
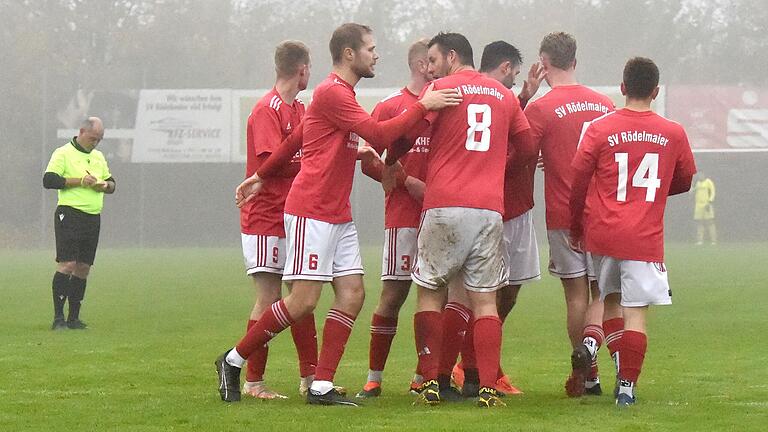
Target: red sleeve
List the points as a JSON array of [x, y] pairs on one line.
[[264, 127], [278, 161], [380, 113], [347, 114], [522, 150], [537, 122], [584, 163], [579, 189], [685, 168]]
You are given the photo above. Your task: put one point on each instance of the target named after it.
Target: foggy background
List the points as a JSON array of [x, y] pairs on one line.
[[64, 59]]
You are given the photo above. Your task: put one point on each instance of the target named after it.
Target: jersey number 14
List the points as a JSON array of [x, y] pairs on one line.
[[646, 176]]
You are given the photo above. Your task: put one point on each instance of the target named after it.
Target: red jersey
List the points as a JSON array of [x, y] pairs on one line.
[[634, 156], [400, 209], [270, 122], [557, 119], [332, 129], [518, 191], [468, 149]]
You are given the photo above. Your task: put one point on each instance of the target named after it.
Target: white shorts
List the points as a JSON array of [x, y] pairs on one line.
[[640, 283], [521, 252], [263, 254], [564, 262], [399, 253], [320, 251], [457, 239]]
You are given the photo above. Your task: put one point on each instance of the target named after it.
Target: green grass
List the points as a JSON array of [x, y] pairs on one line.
[[159, 317]]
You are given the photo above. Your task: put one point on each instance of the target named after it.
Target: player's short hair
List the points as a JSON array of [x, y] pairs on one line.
[[290, 55], [349, 35], [496, 53], [456, 42], [561, 49], [641, 77], [417, 50]]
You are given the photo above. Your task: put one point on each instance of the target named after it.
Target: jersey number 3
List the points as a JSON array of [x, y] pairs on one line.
[[646, 176], [479, 121]]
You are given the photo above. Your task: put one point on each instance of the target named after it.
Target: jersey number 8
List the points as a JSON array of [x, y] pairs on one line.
[[482, 127]]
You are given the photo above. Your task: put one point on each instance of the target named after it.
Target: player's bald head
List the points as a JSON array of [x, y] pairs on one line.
[[560, 49], [290, 56], [417, 51], [641, 78], [349, 35], [92, 124]]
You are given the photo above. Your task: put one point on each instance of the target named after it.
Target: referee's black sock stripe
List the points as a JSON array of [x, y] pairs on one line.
[[60, 286], [76, 295]]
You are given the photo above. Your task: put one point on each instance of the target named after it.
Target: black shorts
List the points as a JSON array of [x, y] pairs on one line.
[[77, 235]]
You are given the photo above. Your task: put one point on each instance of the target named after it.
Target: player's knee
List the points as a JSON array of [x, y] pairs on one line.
[[81, 270], [66, 267]]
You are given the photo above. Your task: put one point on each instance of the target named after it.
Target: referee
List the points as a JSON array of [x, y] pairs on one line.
[[81, 175]]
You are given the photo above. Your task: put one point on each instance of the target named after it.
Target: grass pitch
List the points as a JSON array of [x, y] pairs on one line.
[[158, 318]]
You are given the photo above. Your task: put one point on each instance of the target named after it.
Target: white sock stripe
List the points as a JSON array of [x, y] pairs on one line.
[[281, 318], [460, 310], [340, 317]]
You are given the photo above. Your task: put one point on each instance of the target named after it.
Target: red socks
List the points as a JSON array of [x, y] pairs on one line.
[[338, 326], [272, 321], [613, 329], [257, 362], [632, 354], [487, 336], [595, 332], [305, 338], [455, 318], [428, 335], [383, 331], [468, 359]]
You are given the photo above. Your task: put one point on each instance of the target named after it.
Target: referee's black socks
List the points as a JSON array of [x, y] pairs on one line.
[[60, 288], [75, 295]]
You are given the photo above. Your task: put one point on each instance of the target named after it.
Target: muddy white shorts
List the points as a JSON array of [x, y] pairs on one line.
[[640, 283], [320, 251], [399, 253], [457, 239]]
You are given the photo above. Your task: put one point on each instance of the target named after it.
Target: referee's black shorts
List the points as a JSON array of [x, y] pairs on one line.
[[77, 235]]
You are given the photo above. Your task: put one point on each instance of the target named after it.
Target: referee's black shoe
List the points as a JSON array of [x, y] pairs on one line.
[[76, 324], [333, 397], [59, 324], [229, 379]]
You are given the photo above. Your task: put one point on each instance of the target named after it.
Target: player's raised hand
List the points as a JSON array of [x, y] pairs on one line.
[[248, 189], [531, 85], [435, 100], [389, 177]]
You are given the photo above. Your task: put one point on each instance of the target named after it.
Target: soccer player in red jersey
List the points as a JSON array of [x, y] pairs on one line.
[[502, 62], [460, 234], [627, 164], [272, 119], [322, 244], [402, 212], [556, 122]]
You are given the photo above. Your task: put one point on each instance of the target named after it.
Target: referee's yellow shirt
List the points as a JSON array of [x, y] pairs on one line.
[[71, 161]]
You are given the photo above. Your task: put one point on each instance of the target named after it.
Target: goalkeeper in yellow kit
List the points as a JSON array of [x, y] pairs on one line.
[[704, 212]]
